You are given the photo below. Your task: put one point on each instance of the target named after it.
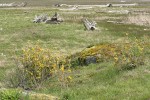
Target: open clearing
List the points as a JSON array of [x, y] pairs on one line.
[[99, 81]]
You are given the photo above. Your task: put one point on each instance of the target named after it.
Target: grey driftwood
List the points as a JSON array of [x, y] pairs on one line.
[[89, 25], [55, 19]]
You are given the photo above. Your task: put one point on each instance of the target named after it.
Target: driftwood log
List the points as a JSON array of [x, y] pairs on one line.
[[55, 19], [41, 18], [23, 4], [89, 25]]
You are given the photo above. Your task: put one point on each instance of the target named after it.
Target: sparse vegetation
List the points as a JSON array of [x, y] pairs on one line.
[[142, 19], [71, 63]]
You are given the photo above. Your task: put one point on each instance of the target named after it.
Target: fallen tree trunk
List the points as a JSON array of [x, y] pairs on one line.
[[89, 25]]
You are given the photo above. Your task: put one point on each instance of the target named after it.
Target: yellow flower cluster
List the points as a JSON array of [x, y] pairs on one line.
[[40, 64]]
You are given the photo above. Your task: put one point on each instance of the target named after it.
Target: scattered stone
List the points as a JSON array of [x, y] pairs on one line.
[[90, 59]]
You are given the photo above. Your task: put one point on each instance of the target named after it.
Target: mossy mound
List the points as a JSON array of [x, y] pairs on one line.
[[94, 54]]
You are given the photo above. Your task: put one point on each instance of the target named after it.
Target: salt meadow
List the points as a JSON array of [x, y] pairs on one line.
[[44, 61]]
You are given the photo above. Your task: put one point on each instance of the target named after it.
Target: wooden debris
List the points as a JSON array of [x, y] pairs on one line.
[[54, 20], [41, 18], [119, 11], [124, 5], [80, 7], [89, 25], [114, 11], [109, 5], [44, 18], [84, 7], [115, 22], [8, 5], [140, 12], [23, 4], [66, 5]]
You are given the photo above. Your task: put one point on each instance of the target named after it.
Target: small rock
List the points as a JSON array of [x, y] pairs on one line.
[[90, 59]]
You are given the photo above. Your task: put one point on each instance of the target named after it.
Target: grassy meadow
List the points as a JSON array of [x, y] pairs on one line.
[[101, 81]]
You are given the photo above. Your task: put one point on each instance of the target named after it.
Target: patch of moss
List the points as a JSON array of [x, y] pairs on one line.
[[94, 54]]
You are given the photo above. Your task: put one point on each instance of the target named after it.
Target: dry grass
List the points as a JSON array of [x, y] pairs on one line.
[[38, 96], [2, 63], [139, 20]]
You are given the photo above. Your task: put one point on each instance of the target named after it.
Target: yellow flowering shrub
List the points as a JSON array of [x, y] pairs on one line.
[[38, 64]]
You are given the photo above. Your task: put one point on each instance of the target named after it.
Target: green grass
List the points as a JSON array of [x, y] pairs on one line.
[[94, 82], [103, 82]]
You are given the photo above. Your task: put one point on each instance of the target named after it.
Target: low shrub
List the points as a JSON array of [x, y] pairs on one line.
[[36, 65]]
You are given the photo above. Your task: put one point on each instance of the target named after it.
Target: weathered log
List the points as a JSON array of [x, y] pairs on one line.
[[44, 18], [41, 18], [124, 5], [115, 22], [23, 4], [8, 5], [54, 19], [89, 25]]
